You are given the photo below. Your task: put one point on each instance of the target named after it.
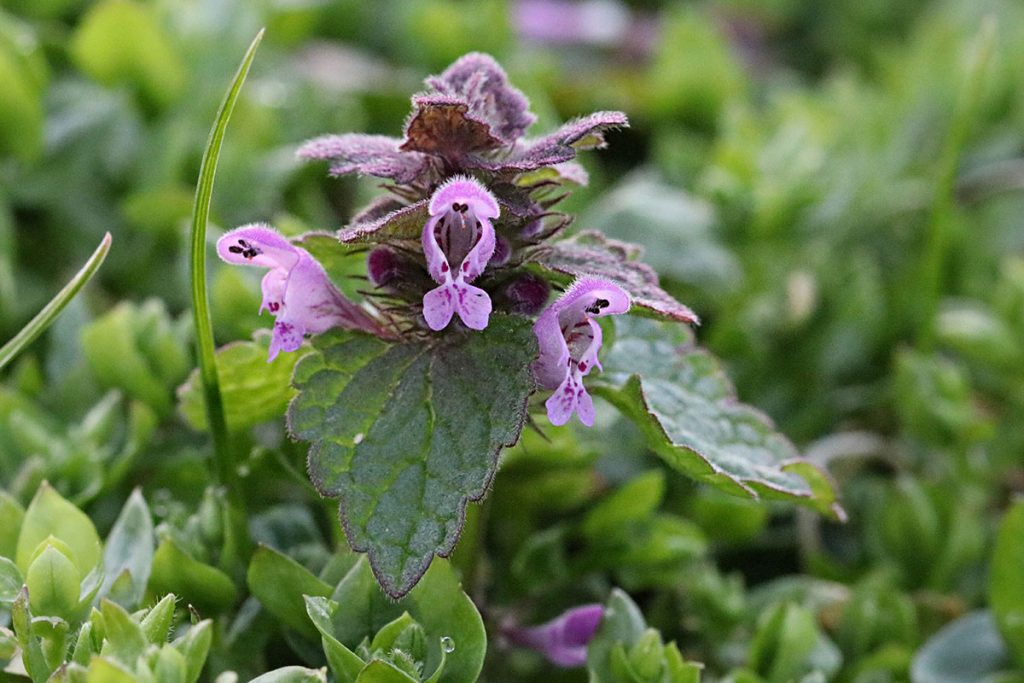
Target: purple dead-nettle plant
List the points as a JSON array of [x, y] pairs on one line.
[[481, 198], [296, 290], [454, 332]]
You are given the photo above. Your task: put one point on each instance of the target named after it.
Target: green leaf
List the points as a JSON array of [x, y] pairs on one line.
[[194, 646], [140, 349], [385, 637], [292, 674], [969, 650], [130, 548], [687, 409], [175, 571], [21, 110], [122, 41], [788, 645], [156, 625], [53, 584], [171, 666], [31, 651], [379, 671], [49, 514], [225, 471], [124, 639], [279, 582], [49, 313], [10, 581], [252, 389], [104, 670], [437, 603], [11, 516], [344, 663], [1006, 582], [635, 501], [407, 434], [622, 625]]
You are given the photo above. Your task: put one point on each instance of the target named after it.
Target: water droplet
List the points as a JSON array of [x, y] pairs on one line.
[[447, 644]]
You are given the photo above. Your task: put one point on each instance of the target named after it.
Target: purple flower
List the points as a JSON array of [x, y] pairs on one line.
[[569, 340], [564, 639], [296, 289], [458, 241]]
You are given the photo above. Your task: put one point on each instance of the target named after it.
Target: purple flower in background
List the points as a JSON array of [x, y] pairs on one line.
[[458, 241], [562, 640], [296, 289], [569, 340]]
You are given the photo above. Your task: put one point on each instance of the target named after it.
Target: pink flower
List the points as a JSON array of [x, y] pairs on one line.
[[564, 639], [296, 289], [569, 340], [458, 242]]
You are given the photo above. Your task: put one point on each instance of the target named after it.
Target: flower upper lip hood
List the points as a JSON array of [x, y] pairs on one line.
[[296, 289]]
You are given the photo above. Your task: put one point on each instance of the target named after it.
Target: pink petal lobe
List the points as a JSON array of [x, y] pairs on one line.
[[439, 306], [473, 305]]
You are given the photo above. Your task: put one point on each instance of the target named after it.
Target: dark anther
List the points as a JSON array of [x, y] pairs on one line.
[[597, 306], [455, 207], [245, 249]]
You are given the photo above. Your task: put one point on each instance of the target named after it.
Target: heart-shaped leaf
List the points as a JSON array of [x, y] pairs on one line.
[[405, 435]]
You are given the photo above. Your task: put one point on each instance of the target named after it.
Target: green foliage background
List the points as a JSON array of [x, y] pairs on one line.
[[834, 187]]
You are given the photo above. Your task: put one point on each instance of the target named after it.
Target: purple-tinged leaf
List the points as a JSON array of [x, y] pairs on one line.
[[405, 223], [377, 208], [687, 409], [481, 81], [586, 132], [445, 126], [375, 155], [591, 253]]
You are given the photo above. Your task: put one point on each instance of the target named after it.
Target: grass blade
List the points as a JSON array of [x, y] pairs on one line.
[[223, 469], [49, 313]]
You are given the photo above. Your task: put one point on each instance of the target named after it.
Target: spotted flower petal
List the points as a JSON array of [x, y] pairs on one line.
[[569, 339], [296, 289], [458, 242], [562, 640]]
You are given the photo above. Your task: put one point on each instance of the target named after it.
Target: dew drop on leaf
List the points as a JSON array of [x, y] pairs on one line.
[[447, 644]]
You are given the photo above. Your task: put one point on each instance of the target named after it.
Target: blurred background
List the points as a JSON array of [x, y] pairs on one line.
[[835, 188]]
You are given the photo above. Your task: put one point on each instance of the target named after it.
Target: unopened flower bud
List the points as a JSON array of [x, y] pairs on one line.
[[502, 251], [383, 266], [526, 294]]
